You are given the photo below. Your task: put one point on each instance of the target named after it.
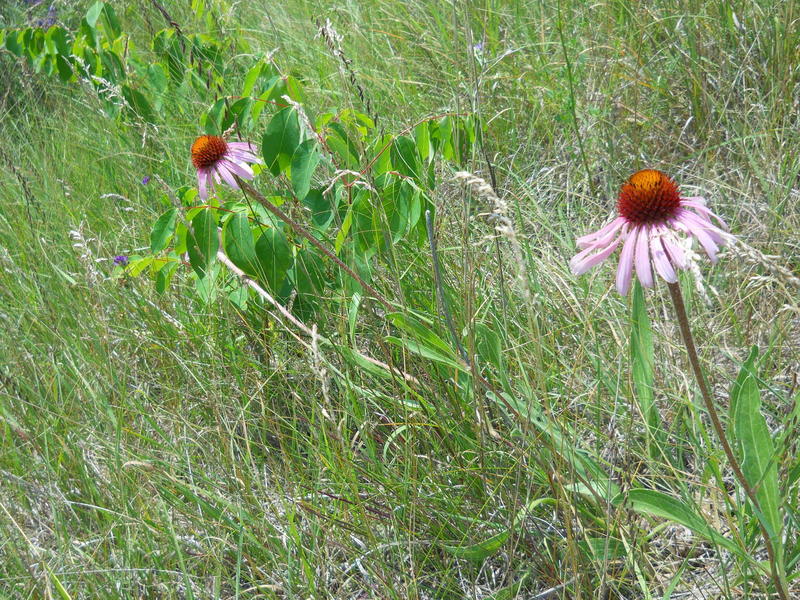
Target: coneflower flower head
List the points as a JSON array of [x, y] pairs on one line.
[[653, 224], [217, 160]]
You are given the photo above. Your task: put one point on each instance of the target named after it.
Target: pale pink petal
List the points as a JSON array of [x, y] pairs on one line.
[[719, 236], [223, 171], [660, 259], [584, 260], [242, 146], [703, 210], [699, 232], [608, 229], [642, 257], [625, 268], [202, 183], [674, 251], [243, 155], [239, 169]]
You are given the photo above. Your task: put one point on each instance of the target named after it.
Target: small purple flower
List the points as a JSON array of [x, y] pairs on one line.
[[145, 179], [478, 47], [121, 260]]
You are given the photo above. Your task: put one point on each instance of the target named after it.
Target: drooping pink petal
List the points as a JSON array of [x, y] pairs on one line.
[[642, 257], [224, 172], [625, 268], [607, 230], [585, 260], [242, 146], [202, 183], [698, 231], [660, 259], [701, 208], [239, 169], [243, 155], [719, 236], [673, 249]]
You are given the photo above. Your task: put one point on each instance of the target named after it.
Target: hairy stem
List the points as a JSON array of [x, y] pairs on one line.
[[686, 333]]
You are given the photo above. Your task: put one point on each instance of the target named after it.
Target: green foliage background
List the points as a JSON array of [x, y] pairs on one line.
[[169, 444]]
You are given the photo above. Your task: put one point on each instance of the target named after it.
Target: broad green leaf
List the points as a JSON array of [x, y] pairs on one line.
[[405, 158], [342, 146], [658, 504], [55, 41], [157, 77], [304, 162], [422, 135], [138, 102], [138, 264], [755, 447], [274, 258], [94, 13], [280, 140], [13, 42], [239, 245], [251, 78], [110, 21], [163, 230], [212, 120], [64, 68], [203, 245], [164, 276], [320, 207], [481, 550]]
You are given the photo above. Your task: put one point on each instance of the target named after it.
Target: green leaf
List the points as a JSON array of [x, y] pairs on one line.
[[280, 140], [163, 230], [110, 21], [251, 78], [203, 245], [320, 207], [481, 550], [94, 13], [755, 447], [304, 162], [405, 158], [274, 258], [422, 135], [658, 504], [342, 146], [212, 120], [641, 349], [55, 41], [13, 43], [239, 245], [138, 102], [64, 68]]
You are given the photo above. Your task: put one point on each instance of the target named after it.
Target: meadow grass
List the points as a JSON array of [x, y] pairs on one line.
[[155, 446]]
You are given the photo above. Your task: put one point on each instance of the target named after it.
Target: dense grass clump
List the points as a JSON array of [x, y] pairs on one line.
[[478, 422]]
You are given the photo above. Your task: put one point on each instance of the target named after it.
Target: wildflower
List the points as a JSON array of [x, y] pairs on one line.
[[653, 222], [121, 260], [145, 179], [218, 160]]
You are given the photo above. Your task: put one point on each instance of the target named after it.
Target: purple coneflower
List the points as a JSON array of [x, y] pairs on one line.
[[218, 160], [652, 219]]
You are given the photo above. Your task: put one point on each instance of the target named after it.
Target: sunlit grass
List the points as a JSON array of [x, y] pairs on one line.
[[153, 446]]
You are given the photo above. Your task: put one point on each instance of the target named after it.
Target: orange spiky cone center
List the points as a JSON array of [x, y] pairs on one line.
[[207, 150], [649, 196]]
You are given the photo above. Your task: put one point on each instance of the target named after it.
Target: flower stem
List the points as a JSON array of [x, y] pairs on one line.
[[686, 333]]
